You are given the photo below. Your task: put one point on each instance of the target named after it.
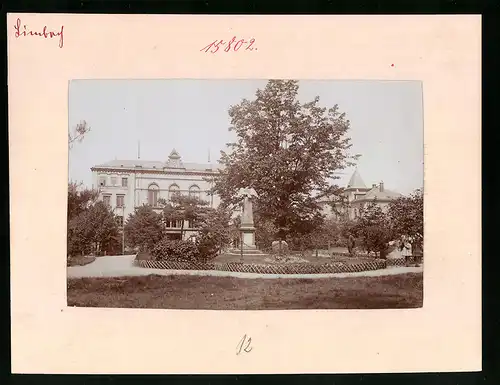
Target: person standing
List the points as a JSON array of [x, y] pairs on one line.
[[351, 243], [406, 251]]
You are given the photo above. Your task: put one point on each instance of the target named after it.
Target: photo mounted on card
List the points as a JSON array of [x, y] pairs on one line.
[[244, 200], [267, 209]]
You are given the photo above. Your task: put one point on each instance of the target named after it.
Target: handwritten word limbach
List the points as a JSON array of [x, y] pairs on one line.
[[24, 31], [231, 45]]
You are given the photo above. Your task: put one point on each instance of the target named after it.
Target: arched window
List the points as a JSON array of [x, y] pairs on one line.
[[173, 190], [194, 191], [153, 191]]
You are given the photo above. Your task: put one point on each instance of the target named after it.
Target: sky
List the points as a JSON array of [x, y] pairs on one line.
[[191, 116]]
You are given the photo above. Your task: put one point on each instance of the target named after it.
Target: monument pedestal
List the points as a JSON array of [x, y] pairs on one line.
[[249, 248], [248, 237]]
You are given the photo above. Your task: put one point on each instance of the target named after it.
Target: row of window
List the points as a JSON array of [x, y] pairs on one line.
[[154, 193], [114, 181], [152, 197], [169, 224], [178, 224], [120, 200]]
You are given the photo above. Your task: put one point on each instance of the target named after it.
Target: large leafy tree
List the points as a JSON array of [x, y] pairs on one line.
[[80, 200], [93, 230], [407, 217], [288, 151], [144, 228]]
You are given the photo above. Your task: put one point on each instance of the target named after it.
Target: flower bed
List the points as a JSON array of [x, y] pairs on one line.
[[402, 261], [296, 268]]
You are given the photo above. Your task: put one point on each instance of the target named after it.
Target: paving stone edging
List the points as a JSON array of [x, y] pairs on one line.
[[295, 268]]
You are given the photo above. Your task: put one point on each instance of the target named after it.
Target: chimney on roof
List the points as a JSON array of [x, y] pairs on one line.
[[381, 188], [374, 185]]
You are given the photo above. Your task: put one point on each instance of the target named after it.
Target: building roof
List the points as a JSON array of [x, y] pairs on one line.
[[172, 162], [356, 181], [148, 164], [375, 193]]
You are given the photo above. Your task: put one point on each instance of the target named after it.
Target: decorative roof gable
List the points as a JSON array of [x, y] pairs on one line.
[[174, 160]]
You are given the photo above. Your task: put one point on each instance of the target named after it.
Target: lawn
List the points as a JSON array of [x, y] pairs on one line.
[[224, 293]]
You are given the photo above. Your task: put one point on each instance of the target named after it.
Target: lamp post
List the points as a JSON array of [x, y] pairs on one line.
[[241, 246], [123, 230], [123, 226]]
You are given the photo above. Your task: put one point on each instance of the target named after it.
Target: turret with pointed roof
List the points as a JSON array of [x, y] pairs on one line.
[[356, 182]]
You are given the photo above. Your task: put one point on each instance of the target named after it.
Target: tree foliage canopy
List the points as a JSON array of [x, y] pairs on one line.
[[407, 217], [215, 231], [288, 151], [144, 228], [374, 228], [93, 230], [403, 218], [79, 199]]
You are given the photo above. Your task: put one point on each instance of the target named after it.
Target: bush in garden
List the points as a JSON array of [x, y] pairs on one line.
[[175, 250], [208, 247], [144, 228]]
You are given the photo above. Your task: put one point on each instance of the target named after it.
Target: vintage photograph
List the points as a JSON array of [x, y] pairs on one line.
[[245, 194]]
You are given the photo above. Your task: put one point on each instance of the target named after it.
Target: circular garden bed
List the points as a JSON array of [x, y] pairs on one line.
[[271, 264], [291, 268]]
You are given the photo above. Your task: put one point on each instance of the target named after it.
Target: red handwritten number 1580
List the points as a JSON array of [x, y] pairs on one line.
[[227, 46]]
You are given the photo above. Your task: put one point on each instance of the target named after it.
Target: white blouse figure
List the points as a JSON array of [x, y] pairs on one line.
[[406, 247]]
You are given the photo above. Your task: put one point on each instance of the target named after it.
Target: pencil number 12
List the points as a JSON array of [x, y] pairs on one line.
[[244, 345]]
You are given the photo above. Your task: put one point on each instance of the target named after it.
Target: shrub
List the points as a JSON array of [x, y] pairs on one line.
[[208, 247], [166, 249]]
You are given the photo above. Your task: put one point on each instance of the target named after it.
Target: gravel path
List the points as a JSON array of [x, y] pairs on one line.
[[122, 266]]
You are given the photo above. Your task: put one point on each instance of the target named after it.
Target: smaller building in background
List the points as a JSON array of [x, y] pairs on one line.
[[357, 195]]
